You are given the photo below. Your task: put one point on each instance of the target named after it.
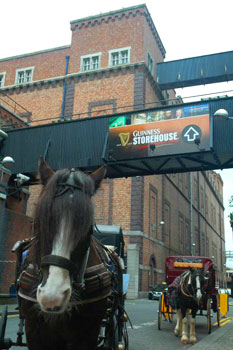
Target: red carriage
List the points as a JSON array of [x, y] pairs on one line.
[[175, 266]]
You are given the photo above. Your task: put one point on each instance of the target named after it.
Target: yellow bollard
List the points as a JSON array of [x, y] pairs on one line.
[[223, 304]]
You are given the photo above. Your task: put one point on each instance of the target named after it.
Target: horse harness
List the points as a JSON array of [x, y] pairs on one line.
[[182, 284], [96, 284]]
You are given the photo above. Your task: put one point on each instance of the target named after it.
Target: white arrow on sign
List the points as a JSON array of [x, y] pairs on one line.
[[191, 134]]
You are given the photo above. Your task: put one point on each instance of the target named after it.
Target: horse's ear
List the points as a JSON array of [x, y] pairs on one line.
[[45, 171], [98, 175]]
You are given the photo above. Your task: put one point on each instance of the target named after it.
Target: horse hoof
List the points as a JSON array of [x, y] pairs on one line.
[[193, 340], [176, 332], [184, 341]]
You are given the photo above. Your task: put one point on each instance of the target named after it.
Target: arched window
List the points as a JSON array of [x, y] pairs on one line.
[[152, 272]]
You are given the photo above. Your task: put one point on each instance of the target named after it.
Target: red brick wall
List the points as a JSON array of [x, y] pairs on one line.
[[44, 103], [121, 203], [43, 63], [18, 226], [113, 87], [107, 34]]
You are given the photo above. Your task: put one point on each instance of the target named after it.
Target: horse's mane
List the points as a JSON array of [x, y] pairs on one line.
[[57, 201]]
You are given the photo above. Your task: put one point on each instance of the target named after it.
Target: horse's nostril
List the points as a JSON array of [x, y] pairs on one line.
[[55, 309], [66, 294]]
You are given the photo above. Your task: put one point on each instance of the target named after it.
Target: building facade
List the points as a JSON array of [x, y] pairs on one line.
[[110, 67]]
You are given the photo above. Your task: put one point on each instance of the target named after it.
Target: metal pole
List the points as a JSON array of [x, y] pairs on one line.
[[191, 211], [64, 89]]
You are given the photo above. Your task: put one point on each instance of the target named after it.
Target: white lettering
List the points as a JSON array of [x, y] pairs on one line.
[[139, 139]]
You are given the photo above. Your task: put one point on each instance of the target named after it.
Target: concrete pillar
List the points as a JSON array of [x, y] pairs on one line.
[[133, 271]]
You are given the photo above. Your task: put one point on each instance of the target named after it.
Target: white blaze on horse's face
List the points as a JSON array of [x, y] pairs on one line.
[[55, 294], [198, 286]]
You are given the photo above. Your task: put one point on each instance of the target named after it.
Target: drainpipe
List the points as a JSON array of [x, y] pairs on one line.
[[64, 89], [191, 210]]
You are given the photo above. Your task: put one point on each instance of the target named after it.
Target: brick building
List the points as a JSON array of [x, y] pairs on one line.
[[110, 67]]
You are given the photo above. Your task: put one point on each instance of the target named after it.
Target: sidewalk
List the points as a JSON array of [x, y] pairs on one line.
[[220, 339]]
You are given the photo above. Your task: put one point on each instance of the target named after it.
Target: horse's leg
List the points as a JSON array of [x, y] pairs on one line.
[[184, 338], [38, 338], [33, 330], [193, 339], [178, 327]]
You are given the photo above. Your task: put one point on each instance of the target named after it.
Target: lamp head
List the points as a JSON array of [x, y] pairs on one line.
[[221, 114], [8, 161]]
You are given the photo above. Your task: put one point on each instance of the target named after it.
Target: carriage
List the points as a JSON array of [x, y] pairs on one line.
[[174, 267], [113, 331]]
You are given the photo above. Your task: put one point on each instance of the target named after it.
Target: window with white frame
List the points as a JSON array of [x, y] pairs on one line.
[[150, 63], [2, 79], [119, 56], [90, 62], [24, 75]]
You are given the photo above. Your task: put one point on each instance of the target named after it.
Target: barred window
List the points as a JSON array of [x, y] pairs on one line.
[[119, 56], [181, 233], [24, 75], [2, 79], [90, 62], [153, 207], [150, 63]]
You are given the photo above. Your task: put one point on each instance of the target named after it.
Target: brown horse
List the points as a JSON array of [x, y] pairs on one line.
[[65, 282]]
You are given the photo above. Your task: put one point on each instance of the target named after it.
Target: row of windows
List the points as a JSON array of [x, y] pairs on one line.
[[116, 58], [89, 62], [22, 76]]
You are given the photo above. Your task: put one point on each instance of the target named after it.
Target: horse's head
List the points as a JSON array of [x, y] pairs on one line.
[[64, 218], [196, 283]]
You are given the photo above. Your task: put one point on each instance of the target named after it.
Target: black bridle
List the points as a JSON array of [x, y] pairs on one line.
[[76, 272], [190, 293], [70, 185]]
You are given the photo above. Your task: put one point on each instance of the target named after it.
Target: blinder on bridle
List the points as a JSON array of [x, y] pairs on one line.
[[76, 272]]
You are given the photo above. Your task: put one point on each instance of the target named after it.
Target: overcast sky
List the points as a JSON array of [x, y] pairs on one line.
[[186, 28]]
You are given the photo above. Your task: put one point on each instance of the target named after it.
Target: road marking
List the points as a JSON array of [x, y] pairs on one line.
[[145, 324], [10, 316], [223, 321]]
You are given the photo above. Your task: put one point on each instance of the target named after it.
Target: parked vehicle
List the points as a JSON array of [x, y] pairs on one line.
[[156, 292]]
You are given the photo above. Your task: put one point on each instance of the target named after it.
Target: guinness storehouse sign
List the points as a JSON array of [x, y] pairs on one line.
[[170, 131]]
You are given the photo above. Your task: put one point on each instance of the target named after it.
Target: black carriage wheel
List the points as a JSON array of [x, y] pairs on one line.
[[160, 313], [170, 314], [208, 308], [218, 310], [3, 321]]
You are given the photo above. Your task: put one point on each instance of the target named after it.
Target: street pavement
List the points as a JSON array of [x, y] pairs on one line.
[[221, 339]]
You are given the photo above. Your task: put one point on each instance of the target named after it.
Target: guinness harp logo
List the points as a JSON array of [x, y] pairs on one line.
[[124, 137]]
